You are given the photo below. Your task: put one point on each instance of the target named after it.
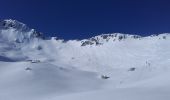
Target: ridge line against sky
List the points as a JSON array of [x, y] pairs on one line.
[[78, 19]]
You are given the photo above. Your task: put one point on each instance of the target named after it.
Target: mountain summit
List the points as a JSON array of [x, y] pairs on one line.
[[101, 39], [9, 23], [13, 30]]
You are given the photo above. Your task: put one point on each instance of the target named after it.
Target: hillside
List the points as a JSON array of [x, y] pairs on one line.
[[105, 67]]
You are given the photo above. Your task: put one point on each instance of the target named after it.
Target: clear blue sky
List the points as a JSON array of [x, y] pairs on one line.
[[85, 18]]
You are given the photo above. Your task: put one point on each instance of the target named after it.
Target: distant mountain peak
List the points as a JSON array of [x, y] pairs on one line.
[[9, 23], [101, 39], [14, 30]]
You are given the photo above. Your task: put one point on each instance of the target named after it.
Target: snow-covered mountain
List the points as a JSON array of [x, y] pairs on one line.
[[116, 65], [104, 38], [13, 30]]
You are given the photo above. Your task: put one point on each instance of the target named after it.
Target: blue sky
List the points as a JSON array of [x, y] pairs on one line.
[[77, 19]]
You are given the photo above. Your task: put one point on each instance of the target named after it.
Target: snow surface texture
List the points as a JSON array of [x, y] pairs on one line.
[[106, 67]]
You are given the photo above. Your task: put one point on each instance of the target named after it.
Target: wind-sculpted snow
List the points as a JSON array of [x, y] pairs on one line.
[[105, 67]]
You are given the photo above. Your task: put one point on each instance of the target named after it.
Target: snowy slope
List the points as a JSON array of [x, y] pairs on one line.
[[27, 81], [35, 68]]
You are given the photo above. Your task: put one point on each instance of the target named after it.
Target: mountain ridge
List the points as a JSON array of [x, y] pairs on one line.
[[19, 26]]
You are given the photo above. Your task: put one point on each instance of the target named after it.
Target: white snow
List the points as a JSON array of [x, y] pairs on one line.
[[35, 69]]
